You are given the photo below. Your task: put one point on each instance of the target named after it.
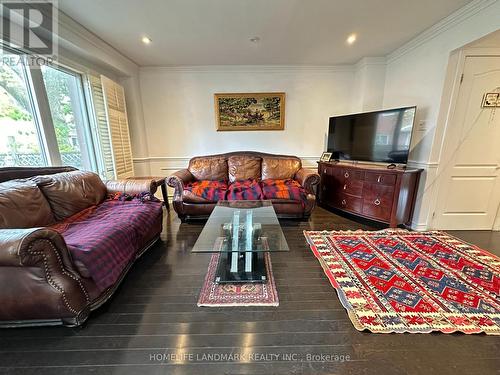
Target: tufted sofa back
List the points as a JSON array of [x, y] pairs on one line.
[[41, 200], [234, 166]]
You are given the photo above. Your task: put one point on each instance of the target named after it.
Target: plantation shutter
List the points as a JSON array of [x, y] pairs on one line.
[[106, 163], [114, 97]]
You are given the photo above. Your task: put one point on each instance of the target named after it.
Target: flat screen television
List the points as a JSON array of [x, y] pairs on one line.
[[381, 136]]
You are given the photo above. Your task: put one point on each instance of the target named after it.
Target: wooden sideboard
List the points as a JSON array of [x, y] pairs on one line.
[[369, 191]]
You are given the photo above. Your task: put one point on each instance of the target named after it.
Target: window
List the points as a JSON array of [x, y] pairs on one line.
[[69, 117], [44, 118], [52, 115], [381, 139], [20, 137]]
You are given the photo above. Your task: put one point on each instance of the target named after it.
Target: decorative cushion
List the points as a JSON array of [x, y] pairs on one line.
[[71, 192], [209, 168], [204, 191], [283, 189], [244, 190], [22, 205], [280, 168], [242, 167]]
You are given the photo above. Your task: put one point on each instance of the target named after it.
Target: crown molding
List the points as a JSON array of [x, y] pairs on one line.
[[440, 27], [248, 68], [370, 61]]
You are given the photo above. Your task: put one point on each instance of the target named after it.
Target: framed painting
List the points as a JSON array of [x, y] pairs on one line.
[[250, 111]]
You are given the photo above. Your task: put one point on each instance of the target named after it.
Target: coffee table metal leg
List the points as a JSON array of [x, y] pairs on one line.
[[232, 260], [248, 261]]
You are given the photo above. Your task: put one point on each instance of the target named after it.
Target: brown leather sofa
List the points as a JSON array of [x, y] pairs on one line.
[[236, 166], [42, 281]]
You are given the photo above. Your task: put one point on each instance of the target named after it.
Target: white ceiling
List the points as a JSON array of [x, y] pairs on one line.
[[292, 32]]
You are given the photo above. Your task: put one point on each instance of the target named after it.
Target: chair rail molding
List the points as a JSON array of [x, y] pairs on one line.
[[179, 162]]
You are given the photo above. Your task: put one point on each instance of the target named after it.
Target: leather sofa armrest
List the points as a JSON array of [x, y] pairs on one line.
[[22, 247], [177, 180], [308, 178], [131, 186], [57, 292]]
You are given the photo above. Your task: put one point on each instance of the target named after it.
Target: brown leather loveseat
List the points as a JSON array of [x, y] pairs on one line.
[[65, 245], [244, 175]]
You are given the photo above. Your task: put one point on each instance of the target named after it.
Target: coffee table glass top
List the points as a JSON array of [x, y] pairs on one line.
[[255, 222]]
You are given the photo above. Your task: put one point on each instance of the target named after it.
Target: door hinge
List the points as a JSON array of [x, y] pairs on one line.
[[461, 78], [434, 214]]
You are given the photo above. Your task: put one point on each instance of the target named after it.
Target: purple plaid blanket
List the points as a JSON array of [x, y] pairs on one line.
[[105, 238], [244, 190]]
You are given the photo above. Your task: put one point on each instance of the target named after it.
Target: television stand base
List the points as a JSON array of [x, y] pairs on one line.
[[370, 191]]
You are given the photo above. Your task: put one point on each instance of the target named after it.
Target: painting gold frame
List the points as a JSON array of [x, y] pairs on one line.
[[259, 126]]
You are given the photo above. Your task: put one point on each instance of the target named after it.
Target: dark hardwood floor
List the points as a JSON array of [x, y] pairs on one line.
[[154, 315]]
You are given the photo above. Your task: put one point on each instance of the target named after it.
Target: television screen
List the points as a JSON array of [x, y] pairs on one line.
[[382, 136]]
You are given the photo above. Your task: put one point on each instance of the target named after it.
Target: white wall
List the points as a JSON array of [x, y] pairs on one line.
[[367, 92], [178, 107], [179, 113], [416, 74]]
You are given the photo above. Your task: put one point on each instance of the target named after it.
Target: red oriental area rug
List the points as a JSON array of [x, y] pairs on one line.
[[417, 282], [238, 294]]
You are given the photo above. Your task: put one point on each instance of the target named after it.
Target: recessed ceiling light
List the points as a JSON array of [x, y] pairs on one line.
[[146, 40], [255, 39], [351, 39]]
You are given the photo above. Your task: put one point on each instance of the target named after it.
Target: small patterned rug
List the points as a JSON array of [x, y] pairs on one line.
[[417, 282], [238, 294]]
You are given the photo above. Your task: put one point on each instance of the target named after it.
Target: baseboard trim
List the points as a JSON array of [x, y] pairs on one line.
[[419, 227]]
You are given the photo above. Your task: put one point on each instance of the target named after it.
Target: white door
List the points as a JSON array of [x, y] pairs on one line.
[[469, 167]]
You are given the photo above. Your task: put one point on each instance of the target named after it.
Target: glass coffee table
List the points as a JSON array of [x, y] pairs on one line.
[[241, 231]]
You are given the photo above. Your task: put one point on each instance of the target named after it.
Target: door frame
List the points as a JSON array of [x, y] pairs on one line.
[[451, 89]]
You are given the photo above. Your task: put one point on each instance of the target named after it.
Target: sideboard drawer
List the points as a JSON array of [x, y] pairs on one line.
[[349, 203], [373, 191], [378, 200], [377, 210], [380, 178], [353, 174], [331, 171], [353, 187]]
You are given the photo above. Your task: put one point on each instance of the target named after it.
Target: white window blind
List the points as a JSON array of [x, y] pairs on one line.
[[114, 96], [106, 165], [111, 112]]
